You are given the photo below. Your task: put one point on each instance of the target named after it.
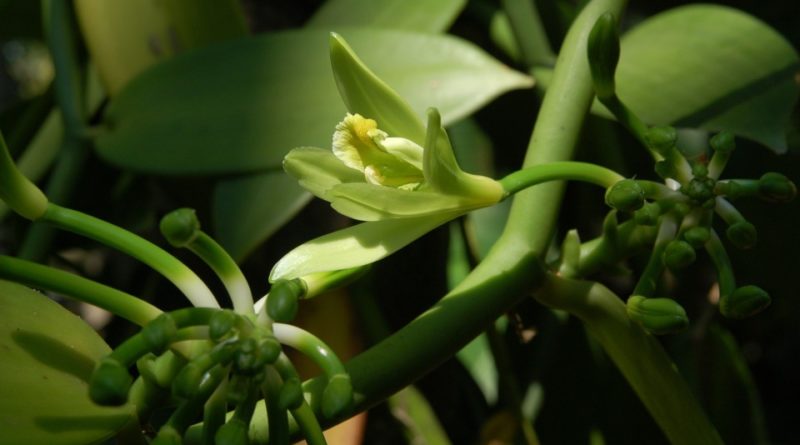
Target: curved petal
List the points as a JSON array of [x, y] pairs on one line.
[[355, 246], [319, 170], [367, 202]]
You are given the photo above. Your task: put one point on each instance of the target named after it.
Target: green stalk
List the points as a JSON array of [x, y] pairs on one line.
[[575, 171], [648, 280], [276, 416], [164, 263], [638, 355], [529, 32], [722, 262], [117, 302], [225, 267], [310, 346]]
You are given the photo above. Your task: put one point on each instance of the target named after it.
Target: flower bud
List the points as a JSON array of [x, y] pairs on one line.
[[245, 358], [661, 139], [221, 324], [180, 227], [158, 334], [678, 254], [282, 300], [268, 351], [657, 315], [234, 432], [744, 302], [742, 235], [291, 394], [337, 396], [648, 214], [697, 236], [110, 383], [723, 141], [626, 195], [603, 53], [776, 187]]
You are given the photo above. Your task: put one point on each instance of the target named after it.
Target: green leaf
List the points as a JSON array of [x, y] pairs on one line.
[[419, 419], [712, 67], [240, 106], [48, 355], [414, 15], [249, 209]]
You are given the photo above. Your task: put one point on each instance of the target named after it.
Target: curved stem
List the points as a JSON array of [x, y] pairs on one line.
[[225, 267], [115, 301], [719, 256], [310, 346], [577, 171], [145, 251]]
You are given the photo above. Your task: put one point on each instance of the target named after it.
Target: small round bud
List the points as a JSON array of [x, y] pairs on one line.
[[699, 169], [776, 187], [337, 396], [678, 255], [282, 301], [744, 302], [167, 435], [697, 236], [699, 189], [158, 334], [723, 142], [221, 324], [742, 235], [657, 315], [268, 351], [245, 359], [603, 53], [648, 214], [681, 209], [110, 383], [180, 227], [661, 139], [626, 195], [234, 432], [291, 394]]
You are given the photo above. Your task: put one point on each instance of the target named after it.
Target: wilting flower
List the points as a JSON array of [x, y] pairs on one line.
[[404, 181]]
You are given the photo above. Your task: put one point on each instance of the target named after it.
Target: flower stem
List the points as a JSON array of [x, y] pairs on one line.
[[225, 267], [120, 303], [565, 170], [311, 346], [167, 265]]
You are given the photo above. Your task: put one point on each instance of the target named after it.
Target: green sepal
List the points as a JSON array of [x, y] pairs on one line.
[[234, 432], [366, 94], [744, 302], [626, 196], [337, 396], [775, 187], [742, 234], [268, 351], [678, 255], [180, 227], [158, 334], [110, 383], [282, 302], [291, 394], [647, 215], [657, 315], [603, 52]]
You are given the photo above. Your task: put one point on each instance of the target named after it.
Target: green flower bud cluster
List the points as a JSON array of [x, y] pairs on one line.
[[680, 213], [236, 358]]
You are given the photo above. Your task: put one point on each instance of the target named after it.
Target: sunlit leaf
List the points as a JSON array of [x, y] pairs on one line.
[[712, 67], [47, 357], [241, 105], [411, 15]]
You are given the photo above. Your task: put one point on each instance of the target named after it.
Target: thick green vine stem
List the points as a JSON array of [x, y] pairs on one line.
[[20, 194]]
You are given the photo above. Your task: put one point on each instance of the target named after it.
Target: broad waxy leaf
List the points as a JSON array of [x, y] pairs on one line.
[[412, 15], [712, 67], [240, 106], [48, 355]]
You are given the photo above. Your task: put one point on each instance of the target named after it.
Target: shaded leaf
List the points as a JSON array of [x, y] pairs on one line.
[[241, 105], [411, 15], [712, 67], [249, 209], [48, 356], [412, 410]]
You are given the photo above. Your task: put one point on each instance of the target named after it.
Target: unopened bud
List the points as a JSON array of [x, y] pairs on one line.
[[180, 227], [626, 195], [657, 315], [742, 235], [661, 139], [282, 302], [110, 383], [291, 394], [744, 302], [697, 236], [337, 396], [158, 334], [678, 255], [723, 141], [603, 53], [776, 187]]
